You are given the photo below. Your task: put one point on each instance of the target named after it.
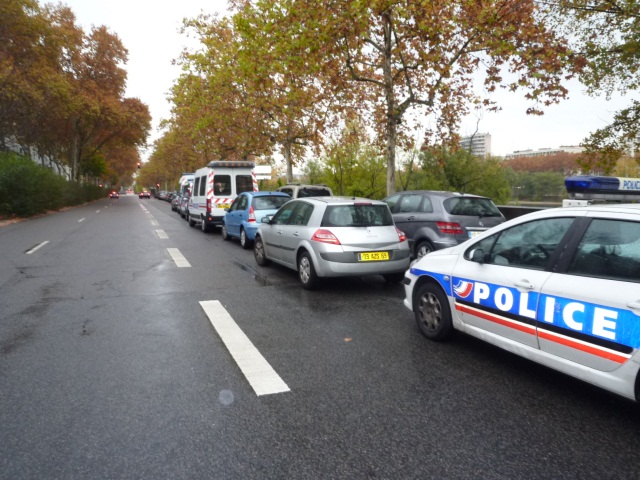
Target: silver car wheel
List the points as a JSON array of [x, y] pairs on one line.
[[307, 272], [259, 253], [305, 269]]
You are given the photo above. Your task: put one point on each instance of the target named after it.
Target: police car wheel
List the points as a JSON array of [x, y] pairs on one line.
[[432, 312]]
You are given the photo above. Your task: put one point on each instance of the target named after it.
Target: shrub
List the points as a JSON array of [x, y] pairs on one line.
[[27, 188]]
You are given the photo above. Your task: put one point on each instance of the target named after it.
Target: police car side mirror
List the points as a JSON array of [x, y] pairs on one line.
[[477, 256]]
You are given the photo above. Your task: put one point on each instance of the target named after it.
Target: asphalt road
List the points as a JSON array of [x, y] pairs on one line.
[[111, 368]]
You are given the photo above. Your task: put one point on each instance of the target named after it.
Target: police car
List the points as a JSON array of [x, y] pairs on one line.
[[559, 286]]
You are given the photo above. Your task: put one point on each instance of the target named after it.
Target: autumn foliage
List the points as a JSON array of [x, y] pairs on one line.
[[62, 92]]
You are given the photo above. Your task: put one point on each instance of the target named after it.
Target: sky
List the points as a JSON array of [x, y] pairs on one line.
[[150, 31]]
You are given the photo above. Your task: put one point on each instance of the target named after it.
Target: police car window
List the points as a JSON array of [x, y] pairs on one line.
[[609, 249], [527, 245], [197, 186], [203, 185]]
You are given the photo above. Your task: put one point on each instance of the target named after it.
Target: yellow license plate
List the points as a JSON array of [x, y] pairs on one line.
[[373, 256], [223, 205]]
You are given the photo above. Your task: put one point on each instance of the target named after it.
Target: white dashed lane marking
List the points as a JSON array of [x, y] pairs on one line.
[[81, 220], [37, 247], [162, 234], [178, 257], [261, 376]]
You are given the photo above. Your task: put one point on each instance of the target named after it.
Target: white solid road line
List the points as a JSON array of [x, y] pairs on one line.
[[261, 376], [37, 247], [162, 234], [178, 257]]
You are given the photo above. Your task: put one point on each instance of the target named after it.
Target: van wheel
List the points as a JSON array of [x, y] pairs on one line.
[[225, 234], [307, 272], [432, 312], [205, 228], [423, 248], [244, 241], [259, 253]]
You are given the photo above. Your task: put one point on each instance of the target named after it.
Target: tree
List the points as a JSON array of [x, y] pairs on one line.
[[48, 64], [606, 33], [284, 81], [462, 172], [409, 54], [213, 102]]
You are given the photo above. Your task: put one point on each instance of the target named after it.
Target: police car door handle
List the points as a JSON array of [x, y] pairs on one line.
[[524, 284], [634, 305]]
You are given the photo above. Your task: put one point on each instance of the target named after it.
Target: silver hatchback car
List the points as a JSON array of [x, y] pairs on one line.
[[333, 237]]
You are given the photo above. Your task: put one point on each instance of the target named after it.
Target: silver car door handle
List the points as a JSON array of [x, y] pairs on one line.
[[634, 305], [296, 234], [279, 232], [412, 217], [524, 284]]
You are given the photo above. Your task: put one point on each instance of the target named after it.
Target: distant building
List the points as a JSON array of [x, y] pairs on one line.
[[479, 144], [544, 152]]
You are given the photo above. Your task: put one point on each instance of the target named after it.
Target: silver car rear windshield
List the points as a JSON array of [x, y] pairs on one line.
[[357, 215], [470, 206]]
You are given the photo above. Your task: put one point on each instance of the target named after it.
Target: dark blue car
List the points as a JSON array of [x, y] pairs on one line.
[[243, 217]]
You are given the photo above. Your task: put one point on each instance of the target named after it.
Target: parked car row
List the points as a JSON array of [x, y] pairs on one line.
[[558, 286], [306, 228]]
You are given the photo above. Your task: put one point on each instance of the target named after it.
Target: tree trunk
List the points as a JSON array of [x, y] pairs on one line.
[[289, 161], [75, 153], [390, 128]]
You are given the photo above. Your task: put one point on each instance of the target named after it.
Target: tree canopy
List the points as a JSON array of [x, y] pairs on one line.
[[607, 35], [62, 91]]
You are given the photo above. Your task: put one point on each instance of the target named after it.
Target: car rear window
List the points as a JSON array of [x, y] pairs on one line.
[[313, 192], [357, 215], [471, 206], [269, 203]]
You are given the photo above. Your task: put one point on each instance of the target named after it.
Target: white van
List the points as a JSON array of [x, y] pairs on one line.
[[214, 189], [185, 184]]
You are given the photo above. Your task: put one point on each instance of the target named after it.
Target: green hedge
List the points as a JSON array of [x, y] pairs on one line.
[[27, 189]]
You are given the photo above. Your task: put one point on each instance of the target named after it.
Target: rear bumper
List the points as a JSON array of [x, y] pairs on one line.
[[346, 264]]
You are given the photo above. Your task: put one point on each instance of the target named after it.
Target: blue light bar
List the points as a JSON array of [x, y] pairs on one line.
[[612, 188]]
